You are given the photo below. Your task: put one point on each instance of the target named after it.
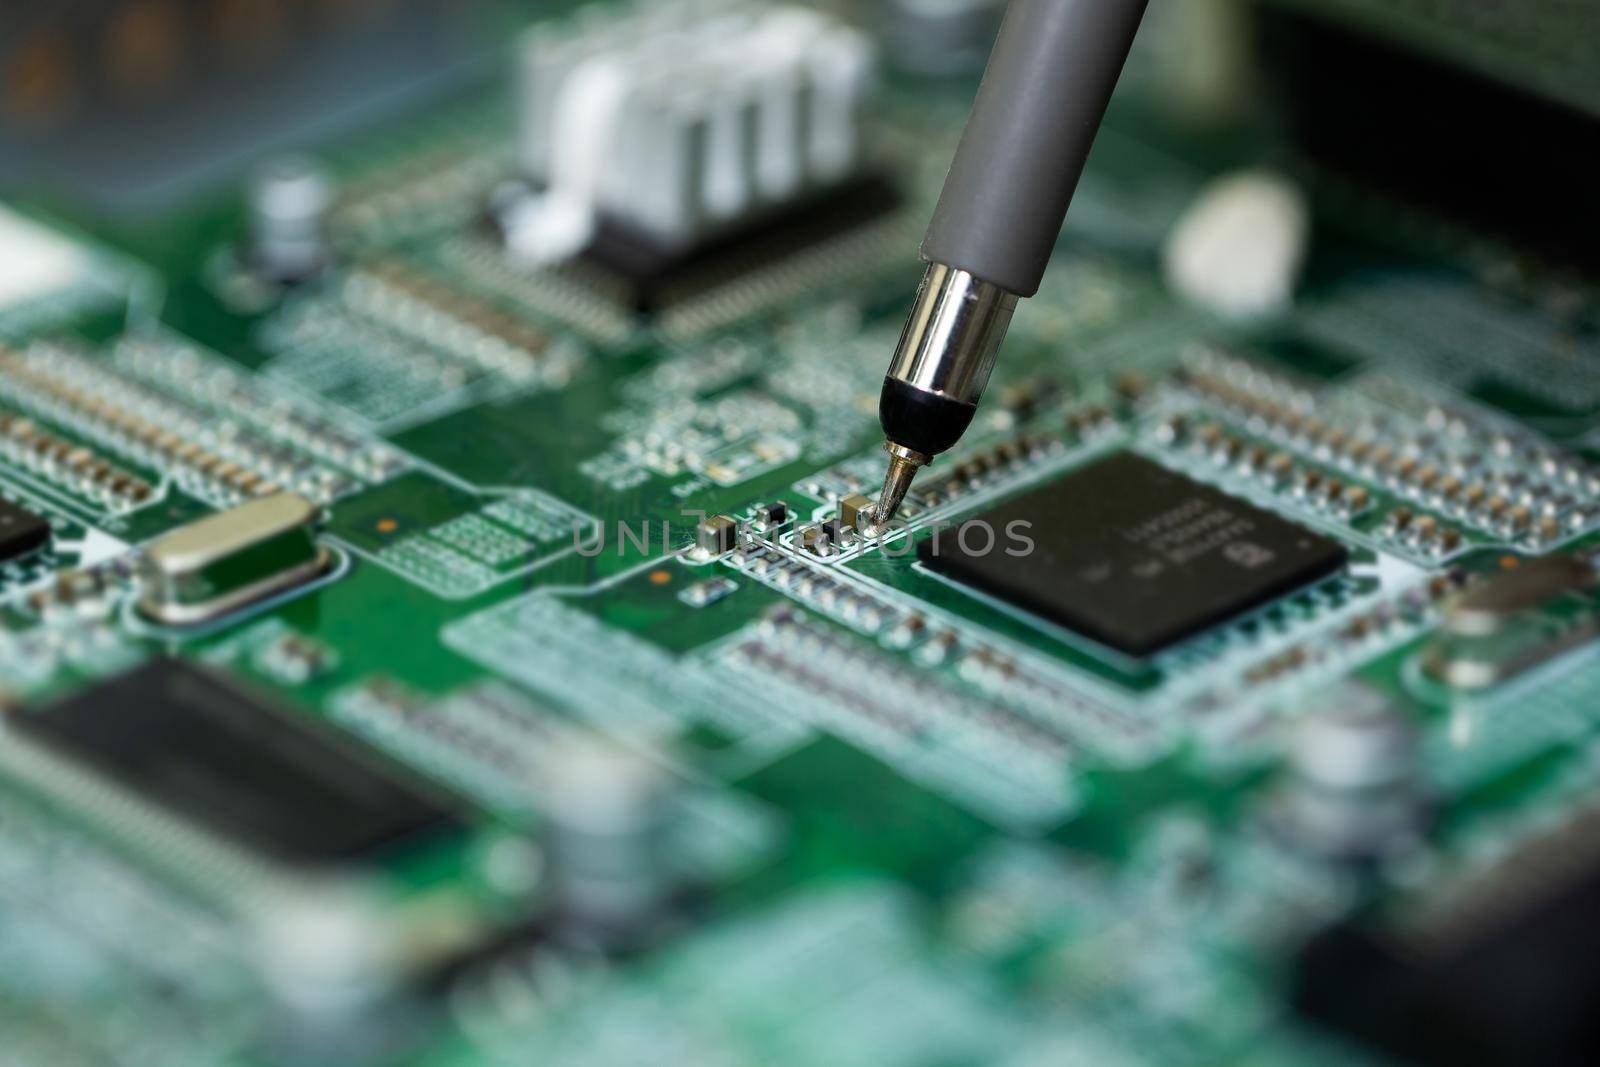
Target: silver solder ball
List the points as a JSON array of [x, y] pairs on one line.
[[290, 199]]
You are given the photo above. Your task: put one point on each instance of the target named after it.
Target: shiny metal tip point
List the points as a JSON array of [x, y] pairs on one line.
[[903, 466]]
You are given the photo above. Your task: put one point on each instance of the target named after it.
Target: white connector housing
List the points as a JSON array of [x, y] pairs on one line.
[[1239, 248], [681, 119]]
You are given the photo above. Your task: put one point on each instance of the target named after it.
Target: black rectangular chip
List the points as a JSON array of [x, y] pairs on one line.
[[1501, 970], [263, 779], [1131, 554], [21, 531]]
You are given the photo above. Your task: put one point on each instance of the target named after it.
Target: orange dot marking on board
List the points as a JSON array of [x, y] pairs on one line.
[[387, 526], [660, 577]]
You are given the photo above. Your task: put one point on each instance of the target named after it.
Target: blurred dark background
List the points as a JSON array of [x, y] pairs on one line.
[[1486, 111]]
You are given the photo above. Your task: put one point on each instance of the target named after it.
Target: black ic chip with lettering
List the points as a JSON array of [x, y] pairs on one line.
[[253, 774], [1131, 554], [21, 531]]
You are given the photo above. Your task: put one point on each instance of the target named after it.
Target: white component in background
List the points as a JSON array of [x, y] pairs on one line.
[[556, 223], [37, 262], [729, 171], [840, 66], [1239, 248], [97, 548], [782, 109], [290, 199], [682, 119], [665, 161]]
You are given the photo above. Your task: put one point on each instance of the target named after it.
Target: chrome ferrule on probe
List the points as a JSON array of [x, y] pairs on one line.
[[1044, 93]]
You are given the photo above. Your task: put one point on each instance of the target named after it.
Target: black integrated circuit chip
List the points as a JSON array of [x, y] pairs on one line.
[[21, 531], [1132, 554], [254, 775], [1504, 971], [651, 276]]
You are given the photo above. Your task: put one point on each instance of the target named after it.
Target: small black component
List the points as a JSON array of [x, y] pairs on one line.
[[1132, 554], [21, 531], [834, 529], [1506, 973], [256, 776], [921, 420], [653, 276], [774, 514]]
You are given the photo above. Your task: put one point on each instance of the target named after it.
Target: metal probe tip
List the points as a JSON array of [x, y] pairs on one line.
[[903, 466]]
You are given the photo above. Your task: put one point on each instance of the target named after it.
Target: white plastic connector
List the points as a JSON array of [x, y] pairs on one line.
[[1239, 248], [682, 119]]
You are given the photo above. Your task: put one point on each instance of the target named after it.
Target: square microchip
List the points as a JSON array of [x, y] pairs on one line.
[[250, 773], [21, 531], [1132, 554]]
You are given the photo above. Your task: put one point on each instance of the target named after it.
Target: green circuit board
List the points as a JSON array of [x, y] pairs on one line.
[[903, 820]]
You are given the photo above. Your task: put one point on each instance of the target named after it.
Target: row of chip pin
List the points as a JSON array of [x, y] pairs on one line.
[[485, 338], [227, 465], [1506, 502], [1274, 467], [1425, 533], [24, 442], [179, 368], [817, 588], [978, 469], [1411, 608]]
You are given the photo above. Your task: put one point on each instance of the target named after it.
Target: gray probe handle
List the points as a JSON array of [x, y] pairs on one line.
[[1043, 95]]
